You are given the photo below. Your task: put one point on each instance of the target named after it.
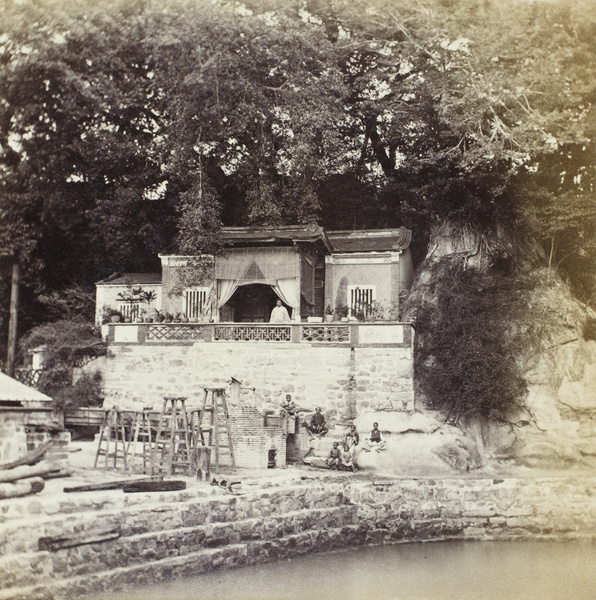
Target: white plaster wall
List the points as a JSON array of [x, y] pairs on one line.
[[107, 295]]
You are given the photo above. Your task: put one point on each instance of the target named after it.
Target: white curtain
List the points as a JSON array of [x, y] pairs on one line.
[[225, 290], [288, 292], [230, 271]]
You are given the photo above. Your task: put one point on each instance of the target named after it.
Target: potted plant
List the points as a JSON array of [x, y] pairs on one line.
[[311, 318], [147, 296], [114, 316], [329, 314], [342, 311], [376, 312]]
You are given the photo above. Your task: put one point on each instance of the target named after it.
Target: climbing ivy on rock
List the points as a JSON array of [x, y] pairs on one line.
[[467, 362]]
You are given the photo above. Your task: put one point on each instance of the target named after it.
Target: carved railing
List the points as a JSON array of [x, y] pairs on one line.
[[325, 333], [27, 376], [175, 331], [353, 334], [252, 333]]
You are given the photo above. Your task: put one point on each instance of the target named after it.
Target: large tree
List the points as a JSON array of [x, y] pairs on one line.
[[128, 129]]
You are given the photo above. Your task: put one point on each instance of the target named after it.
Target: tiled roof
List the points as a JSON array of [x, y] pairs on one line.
[[11, 389], [263, 235], [370, 240], [131, 279]]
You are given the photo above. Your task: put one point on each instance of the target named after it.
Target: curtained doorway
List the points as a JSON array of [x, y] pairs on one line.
[[251, 303]]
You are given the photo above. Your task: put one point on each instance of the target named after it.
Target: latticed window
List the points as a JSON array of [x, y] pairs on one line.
[[196, 302], [360, 299], [130, 310]]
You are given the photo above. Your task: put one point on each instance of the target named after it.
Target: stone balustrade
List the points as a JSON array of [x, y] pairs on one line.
[[354, 334]]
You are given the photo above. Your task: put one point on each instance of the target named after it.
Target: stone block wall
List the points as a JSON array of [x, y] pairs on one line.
[[415, 509], [57, 453], [180, 534], [343, 380]]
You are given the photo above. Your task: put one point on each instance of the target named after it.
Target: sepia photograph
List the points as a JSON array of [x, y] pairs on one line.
[[297, 299]]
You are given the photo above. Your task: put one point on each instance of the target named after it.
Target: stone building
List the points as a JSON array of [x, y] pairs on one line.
[[358, 359], [312, 271]]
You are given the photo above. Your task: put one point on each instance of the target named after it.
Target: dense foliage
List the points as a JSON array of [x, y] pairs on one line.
[[129, 128], [469, 364], [67, 345]]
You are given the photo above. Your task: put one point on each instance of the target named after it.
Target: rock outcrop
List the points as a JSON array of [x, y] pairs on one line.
[[556, 360]]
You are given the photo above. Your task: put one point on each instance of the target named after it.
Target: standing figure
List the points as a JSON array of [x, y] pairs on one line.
[[279, 314]]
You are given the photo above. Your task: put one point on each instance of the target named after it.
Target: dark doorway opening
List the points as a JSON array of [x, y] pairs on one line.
[[251, 304]]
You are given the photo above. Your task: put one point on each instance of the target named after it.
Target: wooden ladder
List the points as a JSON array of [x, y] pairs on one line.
[[171, 448], [112, 430], [140, 432], [213, 420]]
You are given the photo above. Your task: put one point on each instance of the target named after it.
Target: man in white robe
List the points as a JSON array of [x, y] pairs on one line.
[[279, 314]]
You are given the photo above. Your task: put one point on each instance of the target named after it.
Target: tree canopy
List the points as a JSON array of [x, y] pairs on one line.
[[132, 128]]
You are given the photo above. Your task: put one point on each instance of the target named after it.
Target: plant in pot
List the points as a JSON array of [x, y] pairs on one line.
[[147, 296], [329, 314], [376, 312], [342, 311], [114, 316]]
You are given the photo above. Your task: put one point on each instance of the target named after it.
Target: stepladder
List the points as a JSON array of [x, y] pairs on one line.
[[211, 426], [140, 435], [112, 440], [171, 448]]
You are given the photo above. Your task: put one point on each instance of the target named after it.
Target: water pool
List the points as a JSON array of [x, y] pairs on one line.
[[528, 570]]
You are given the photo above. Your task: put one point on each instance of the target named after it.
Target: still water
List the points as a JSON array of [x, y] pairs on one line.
[[431, 571]]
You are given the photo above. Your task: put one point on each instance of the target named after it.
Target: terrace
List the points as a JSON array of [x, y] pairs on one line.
[[352, 333]]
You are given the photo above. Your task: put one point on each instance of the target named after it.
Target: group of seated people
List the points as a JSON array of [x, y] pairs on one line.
[[339, 457], [343, 458]]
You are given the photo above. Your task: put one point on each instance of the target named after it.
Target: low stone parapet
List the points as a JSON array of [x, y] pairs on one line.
[[200, 529]]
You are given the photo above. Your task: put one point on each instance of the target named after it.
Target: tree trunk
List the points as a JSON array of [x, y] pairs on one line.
[[12, 324]]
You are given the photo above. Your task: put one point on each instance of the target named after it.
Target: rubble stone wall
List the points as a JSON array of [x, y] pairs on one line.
[[168, 536], [340, 379], [476, 509]]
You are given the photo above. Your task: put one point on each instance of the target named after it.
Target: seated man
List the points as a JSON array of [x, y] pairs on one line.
[[317, 425], [374, 442], [334, 458], [290, 407]]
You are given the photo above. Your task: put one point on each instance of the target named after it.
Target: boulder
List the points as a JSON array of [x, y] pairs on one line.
[[416, 444]]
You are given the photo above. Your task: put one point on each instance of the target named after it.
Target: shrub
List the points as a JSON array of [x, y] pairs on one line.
[[67, 344], [467, 363]]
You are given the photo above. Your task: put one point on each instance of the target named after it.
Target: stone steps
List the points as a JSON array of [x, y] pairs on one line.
[[190, 564], [185, 524], [152, 516], [129, 551]]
